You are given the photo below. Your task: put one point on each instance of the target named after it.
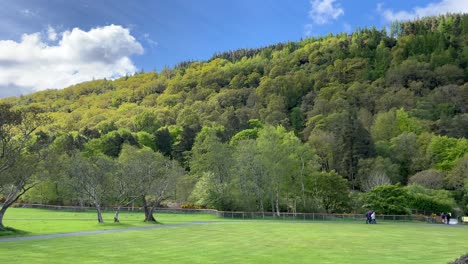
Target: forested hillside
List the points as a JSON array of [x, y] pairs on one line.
[[307, 126]]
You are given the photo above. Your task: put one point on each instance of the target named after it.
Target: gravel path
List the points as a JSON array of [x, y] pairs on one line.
[[83, 233]]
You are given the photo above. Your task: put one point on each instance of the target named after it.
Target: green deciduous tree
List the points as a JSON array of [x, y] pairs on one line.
[[21, 152], [389, 199], [154, 174], [92, 178], [329, 190]]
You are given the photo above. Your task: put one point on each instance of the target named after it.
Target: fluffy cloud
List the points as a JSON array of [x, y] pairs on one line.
[[33, 64], [435, 8], [322, 11]]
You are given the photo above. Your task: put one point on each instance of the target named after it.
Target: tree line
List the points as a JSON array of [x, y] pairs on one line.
[[352, 111]]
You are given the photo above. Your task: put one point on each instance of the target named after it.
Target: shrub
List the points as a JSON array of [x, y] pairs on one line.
[[389, 199], [192, 206], [426, 203], [429, 200], [2, 198]]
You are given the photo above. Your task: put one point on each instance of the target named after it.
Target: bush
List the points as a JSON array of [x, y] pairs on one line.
[[462, 260], [192, 206], [429, 200], [426, 203], [389, 199], [2, 198]]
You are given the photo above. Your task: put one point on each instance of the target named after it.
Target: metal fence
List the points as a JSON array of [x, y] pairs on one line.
[[319, 216], [246, 215], [122, 209]]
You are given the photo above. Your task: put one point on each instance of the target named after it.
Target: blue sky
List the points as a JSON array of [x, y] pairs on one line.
[[55, 43]]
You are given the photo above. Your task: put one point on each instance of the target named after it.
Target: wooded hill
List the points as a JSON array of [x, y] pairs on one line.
[[292, 126]]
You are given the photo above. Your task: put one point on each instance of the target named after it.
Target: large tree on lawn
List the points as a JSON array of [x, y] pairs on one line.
[[92, 178], [22, 152], [155, 175]]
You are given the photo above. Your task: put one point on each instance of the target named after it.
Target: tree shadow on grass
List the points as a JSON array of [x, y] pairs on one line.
[[9, 231]]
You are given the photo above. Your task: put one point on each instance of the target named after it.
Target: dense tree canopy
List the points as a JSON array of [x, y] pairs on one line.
[[273, 128]]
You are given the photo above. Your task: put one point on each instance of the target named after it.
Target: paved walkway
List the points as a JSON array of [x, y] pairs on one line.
[[26, 238]]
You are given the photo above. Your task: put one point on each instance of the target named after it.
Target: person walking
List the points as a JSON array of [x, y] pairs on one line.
[[368, 217], [447, 218], [373, 221]]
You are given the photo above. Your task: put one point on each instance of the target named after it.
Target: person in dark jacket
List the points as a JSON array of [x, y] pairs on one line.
[[368, 216], [447, 218]]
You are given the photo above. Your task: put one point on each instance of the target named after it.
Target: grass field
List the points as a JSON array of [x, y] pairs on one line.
[[231, 242], [40, 221]]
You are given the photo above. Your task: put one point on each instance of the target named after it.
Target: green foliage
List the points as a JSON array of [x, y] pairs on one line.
[[431, 179], [457, 178], [426, 203], [369, 105], [389, 199], [445, 151], [430, 201], [368, 168], [147, 140], [191, 206], [330, 189]]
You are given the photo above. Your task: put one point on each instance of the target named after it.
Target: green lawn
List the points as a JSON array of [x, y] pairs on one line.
[[41, 221], [241, 242]]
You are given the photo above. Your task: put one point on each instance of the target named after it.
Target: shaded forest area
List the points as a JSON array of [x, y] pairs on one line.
[[338, 123]]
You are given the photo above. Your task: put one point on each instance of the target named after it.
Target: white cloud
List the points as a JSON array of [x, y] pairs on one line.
[[51, 34], [322, 11], [31, 64], [435, 8], [28, 13], [152, 43]]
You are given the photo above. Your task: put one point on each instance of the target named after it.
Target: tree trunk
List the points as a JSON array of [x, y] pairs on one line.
[[148, 211], [272, 204], [116, 216], [150, 217], [277, 203], [302, 184], [99, 214], [2, 213]]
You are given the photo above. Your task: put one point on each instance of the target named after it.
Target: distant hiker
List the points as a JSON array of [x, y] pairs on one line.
[[373, 218], [447, 217], [443, 217]]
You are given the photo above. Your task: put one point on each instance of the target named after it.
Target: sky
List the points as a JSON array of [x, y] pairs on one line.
[[52, 44]]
